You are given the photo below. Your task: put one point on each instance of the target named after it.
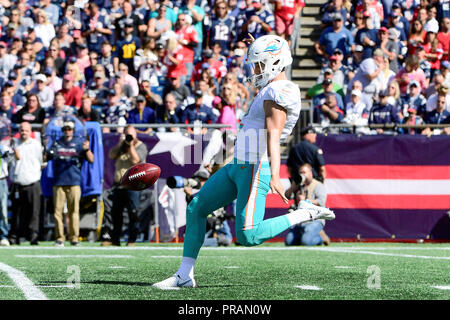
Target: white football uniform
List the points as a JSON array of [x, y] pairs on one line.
[[251, 141]]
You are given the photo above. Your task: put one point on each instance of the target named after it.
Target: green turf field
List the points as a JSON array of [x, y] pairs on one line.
[[270, 271]]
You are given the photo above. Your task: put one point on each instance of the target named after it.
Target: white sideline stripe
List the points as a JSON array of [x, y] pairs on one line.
[[343, 267], [46, 256], [30, 291], [180, 248], [441, 287], [308, 288], [384, 254], [382, 186]]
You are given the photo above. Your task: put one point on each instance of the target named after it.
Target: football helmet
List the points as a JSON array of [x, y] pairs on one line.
[[271, 53]]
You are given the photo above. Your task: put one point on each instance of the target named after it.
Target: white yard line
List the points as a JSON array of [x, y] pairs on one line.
[[441, 287], [30, 291], [308, 288], [77, 256]]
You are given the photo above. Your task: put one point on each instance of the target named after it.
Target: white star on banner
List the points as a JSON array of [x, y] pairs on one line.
[[173, 142]]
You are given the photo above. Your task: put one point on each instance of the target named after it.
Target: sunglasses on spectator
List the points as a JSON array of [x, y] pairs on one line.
[[67, 129]]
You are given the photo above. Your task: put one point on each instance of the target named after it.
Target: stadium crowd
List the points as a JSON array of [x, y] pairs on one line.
[[384, 62]]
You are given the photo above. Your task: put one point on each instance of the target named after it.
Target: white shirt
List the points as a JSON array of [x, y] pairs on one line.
[[251, 141], [4, 150], [28, 169]]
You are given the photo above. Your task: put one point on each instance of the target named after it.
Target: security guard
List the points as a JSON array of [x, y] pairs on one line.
[[306, 152]]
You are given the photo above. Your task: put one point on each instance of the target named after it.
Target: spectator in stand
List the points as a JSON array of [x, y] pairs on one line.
[[385, 76], [444, 36], [328, 111], [227, 114], [411, 71], [438, 116], [432, 101], [86, 113], [31, 112], [327, 86], [43, 27], [141, 114], [51, 10], [424, 64], [222, 29], [128, 79], [259, 20], [123, 23], [383, 113], [96, 27], [106, 59], [390, 46], [339, 71], [394, 96], [356, 109], [160, 27], [188, 38], [178, 89], [412, 119], [416, 36], [318, 88], [59, 63], [331, 8], [128, 152], [153, 100], [413, 99], [72, 93], [367, 36], [98, 91], [445, 72], [242, 93], [45, 94], [126, 47], [26, 187], [53, 81], [174, 60], [214, 66], [7, 60], [354, 61], [197, 112], [313, 191], [286, 13], [169, 113], [358, 23], [145, 61], [334, 37], [197, 14], [67, 154], [402, 24], [433, 49], [59, 108], [7, 108], [306, 151]]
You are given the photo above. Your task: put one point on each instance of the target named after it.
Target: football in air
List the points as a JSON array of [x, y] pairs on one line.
[[140, 176]]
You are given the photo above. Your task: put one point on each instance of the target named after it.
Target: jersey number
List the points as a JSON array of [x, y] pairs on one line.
[[221, 32]]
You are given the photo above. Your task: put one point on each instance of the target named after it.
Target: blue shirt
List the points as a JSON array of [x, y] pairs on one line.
[[67, 160], [372, 34], [434, 117], [383, 114], [332, 40], [222, 31], [147, 116], [191, 113], [255, 29]]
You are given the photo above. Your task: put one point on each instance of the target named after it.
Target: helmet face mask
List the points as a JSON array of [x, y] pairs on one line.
[[267, 56]]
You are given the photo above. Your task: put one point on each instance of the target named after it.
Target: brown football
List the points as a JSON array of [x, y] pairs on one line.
[[140, 176]]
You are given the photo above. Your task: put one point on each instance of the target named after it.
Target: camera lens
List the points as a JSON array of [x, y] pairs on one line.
[[129, 138]]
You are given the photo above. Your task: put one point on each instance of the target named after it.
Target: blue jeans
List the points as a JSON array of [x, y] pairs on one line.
[[3, 209], [307, 234]]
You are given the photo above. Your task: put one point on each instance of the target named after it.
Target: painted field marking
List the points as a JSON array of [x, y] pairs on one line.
[[308, 288], [30, 291], [117, 267], [441, 287], [383, 254], [77, 256], [6, 286], [231, 267], [343, 267]]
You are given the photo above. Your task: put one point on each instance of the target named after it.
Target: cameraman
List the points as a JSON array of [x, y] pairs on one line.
[[128, 152], [218, 232], [309, 189]]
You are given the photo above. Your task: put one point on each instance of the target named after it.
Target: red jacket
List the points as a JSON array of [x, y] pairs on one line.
[[73, 96]]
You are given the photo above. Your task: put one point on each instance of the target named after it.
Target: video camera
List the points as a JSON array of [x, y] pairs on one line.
[[176, 182]]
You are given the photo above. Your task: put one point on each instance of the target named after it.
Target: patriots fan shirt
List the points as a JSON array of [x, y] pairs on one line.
[[67, 162]]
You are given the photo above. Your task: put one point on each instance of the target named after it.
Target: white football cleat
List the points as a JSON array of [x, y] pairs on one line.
[[316, 211], [174, 283]]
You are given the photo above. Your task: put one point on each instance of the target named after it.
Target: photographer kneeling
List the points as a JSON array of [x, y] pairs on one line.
[[218, 232], [308, 189]]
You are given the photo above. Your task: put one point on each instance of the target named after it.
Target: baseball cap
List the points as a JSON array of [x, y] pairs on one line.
[[198, 94], [306, 130], [41, 77], [48, 71], [393, 33], [337, 51], [207, 54], [356, 92], [378, 53], [384, 29], [239, 52], [337, 16], [327, 81], [216, 101], [359, 48], [140, 98], [328, 70], [12, 26], [431, 26], [68, 77], [333, 58], [111, 92], [159, 46], [12, 75], [9, 83], [99, 75], [68, 124], [367, 14], [412, 110], [3, 44], [414, 83], [383, 93]]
